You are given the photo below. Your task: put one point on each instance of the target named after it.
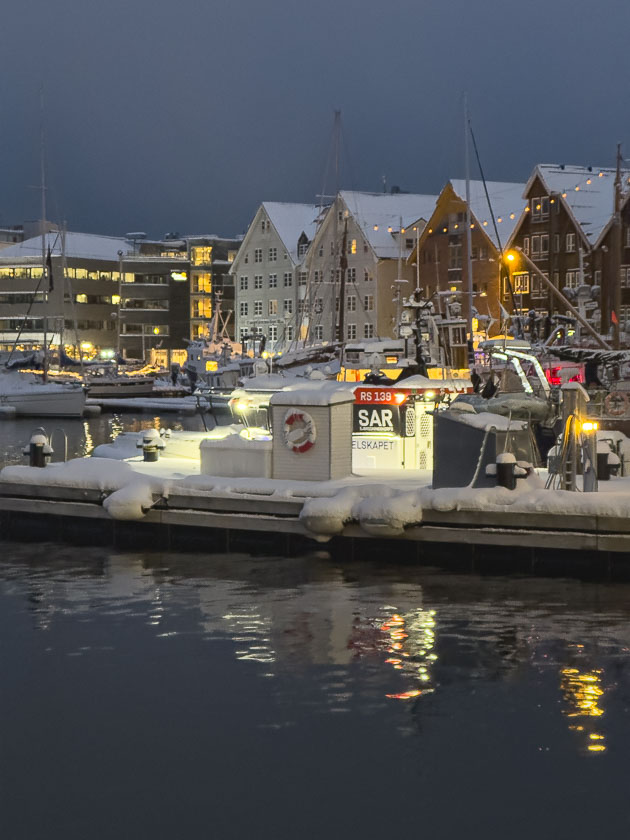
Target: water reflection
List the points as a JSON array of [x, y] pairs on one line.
[[84, 435], [405, 634]]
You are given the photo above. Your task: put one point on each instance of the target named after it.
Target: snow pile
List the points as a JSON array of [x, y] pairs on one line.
[[379, 509], [130, 502]]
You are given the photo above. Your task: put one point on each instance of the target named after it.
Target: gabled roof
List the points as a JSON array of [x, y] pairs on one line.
[[587, 191], [291, 221], [507, 205], [87, 246], [376, 213]]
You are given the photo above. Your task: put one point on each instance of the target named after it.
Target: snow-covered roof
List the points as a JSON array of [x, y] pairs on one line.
[[314, 393], [507, 205], [377, 213], [78, 246], [587, 191], [291, 221]]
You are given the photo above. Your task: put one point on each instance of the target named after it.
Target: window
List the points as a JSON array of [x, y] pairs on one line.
[[556, 279], [351, 331], [273, 333], [273, 281], [289, 332], [598, 278], [366, 275], [243, 333], [317, 276], [409, 244], [243, 308], [320, 250], [302, 278], [258, 281], [624, 277], [626, 239], [571, 279], [351, 275], [368, 303], [319, 332], [273, 307], [520, 284], [352, 246], [556, 243], [526, 245], [368, 330], [570, 243], [258, 255], [288, 279], [544, 245], [246, 258], [273, 254], [288, 306], [483, 252], [351, 303], [302, 307], [454, 255], [302, 248], [540, 208], [263, 224], [539, 289], [258, 309], [319, 305], [535, 247], [624, 315], [332, 249]]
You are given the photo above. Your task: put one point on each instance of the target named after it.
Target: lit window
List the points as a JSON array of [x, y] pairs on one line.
[[273, 307]]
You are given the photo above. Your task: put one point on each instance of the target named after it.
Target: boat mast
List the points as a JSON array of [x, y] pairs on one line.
[[469, 283], [42, 144]]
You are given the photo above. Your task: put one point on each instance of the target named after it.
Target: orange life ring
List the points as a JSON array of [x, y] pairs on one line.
[[616, 403], [299, 431]]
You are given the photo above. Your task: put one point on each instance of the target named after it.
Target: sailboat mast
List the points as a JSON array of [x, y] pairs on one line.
[[469, 280], [42, 144]]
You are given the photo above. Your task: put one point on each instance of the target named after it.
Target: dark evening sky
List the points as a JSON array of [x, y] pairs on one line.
[[185, 116]]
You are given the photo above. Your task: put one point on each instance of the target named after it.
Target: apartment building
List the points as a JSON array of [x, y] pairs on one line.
[[267, 268]]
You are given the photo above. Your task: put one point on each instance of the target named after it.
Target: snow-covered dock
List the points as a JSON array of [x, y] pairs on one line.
[[159, 405], [99, 498]]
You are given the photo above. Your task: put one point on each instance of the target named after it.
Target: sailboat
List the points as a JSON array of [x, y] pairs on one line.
[[31, 394]]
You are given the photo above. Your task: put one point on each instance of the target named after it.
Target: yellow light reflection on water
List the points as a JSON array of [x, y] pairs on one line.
[[582, 691]]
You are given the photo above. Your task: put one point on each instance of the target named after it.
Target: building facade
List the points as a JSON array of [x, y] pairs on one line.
[[567, 230], [266, 271], [441, 257], [107, 294], [365, 240]]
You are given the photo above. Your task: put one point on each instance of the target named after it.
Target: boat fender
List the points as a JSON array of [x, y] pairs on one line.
[[616, 403], [299, 431]]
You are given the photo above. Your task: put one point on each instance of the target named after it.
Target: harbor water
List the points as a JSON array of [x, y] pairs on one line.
[[160, 695], [210, 695]]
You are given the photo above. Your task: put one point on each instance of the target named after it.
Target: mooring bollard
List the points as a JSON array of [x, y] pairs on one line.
[[39, 450], [151, 444], [506, 470]]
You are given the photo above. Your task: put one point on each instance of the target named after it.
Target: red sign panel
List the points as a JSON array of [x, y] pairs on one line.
[[380, 396]]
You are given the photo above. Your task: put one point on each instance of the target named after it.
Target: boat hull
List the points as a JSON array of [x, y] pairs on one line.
[[47, 403]]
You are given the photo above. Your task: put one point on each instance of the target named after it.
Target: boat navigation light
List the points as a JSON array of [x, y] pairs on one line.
[[590, 426]]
